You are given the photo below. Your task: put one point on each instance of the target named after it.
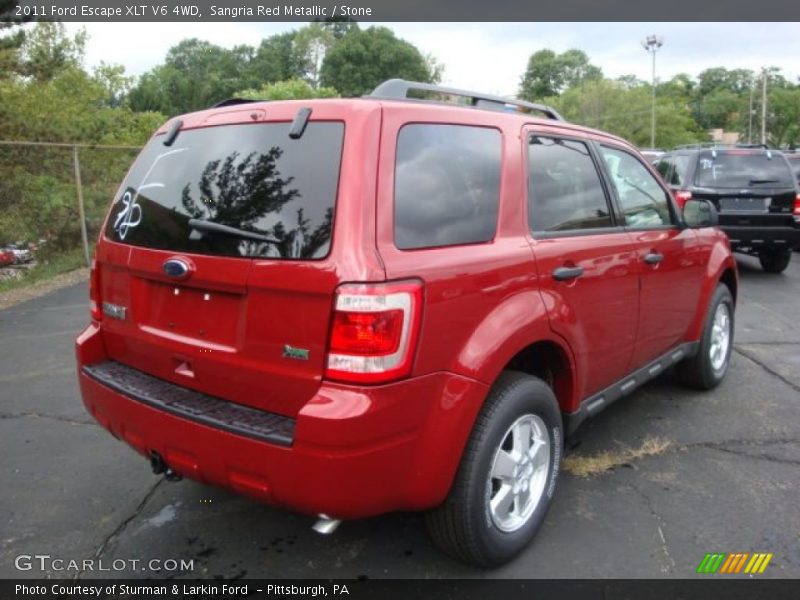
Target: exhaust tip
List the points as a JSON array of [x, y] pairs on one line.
[[325, 525], [157, 463], [159, 466]]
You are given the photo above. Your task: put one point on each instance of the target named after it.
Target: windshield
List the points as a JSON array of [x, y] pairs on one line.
[[742, 169], [273, 196]]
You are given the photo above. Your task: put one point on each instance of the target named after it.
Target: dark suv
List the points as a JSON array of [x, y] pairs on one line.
[[347, 307], [754, 189]]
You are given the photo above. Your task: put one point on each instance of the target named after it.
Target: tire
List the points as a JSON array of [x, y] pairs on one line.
[[775, 261], [465, 526], [706, 369]]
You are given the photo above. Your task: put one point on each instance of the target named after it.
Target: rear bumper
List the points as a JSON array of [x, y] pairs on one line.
[[355, 452], [757, 237]]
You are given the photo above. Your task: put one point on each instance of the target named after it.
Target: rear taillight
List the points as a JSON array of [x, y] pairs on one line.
[[681, 197], [95, 303], [796, 211], [374, 331]]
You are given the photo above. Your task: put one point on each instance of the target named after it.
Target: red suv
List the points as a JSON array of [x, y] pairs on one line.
[[353, 306]]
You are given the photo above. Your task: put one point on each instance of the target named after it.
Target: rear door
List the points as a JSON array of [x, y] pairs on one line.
[[248, 212], [586, 260], [670, 259]]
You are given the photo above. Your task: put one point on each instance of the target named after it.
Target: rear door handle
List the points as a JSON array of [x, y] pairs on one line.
[[653, 258], [567, 273]]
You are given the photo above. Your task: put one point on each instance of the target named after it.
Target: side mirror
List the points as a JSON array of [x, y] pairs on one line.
[[700, 213]]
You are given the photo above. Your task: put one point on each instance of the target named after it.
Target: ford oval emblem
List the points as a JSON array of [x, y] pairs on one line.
[[175, 267]]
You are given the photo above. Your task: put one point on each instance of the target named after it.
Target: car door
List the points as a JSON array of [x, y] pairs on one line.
[[670, 259], [585, 259]]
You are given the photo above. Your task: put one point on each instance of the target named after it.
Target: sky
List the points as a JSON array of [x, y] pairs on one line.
[[491, 57]]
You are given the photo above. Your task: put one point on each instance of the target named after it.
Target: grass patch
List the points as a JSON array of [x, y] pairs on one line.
[[588, 466], [44, 270]]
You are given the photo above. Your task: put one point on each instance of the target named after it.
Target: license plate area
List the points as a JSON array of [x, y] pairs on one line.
[[208, 316], [745, 205]]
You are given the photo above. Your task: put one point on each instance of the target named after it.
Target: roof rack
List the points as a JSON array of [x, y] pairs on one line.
[[397, 89], [721, 145], [234, 101]]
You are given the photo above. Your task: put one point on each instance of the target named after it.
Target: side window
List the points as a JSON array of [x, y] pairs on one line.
[[447, 185], [644, 202], [663, 166], [564, 188], [679, 173]]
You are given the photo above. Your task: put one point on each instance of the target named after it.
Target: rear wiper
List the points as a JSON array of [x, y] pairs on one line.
[[752, 181], [212, 227]]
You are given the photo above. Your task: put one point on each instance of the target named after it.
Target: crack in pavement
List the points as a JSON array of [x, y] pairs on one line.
[[770, 343], [772, 372], [120, 529], [743, 441], [38, 415], [660, 524], [767, 457], [16, 377], [722, 446]]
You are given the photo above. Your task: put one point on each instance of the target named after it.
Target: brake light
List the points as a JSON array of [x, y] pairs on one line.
[[681, 197], [374, 331], [95, 302], [796, 211]]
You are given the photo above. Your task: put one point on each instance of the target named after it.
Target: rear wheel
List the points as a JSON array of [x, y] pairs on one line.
[[707, 368], [775, 261], [507, 475]]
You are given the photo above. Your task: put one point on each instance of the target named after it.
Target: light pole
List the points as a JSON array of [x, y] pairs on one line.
[[652, 43], [764, 106], [750, 113]]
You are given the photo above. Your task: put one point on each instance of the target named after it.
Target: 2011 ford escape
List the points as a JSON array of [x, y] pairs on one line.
[[348, 307]]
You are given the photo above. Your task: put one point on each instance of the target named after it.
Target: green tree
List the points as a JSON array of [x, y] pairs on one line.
[[549, 74], [339, 26], [11, 39], [613, 107], [114, 81], [784, 116], [311, 44], [364, 58], [736, 81], [37, 186], [291, 89], [195, 75], [276, 59], [48, 50], [720, 108]]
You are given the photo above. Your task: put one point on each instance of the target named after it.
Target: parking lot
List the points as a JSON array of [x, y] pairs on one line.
[[726, 482]]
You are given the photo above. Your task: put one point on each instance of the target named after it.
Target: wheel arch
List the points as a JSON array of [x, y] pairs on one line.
[[516, 335], [720, 268]]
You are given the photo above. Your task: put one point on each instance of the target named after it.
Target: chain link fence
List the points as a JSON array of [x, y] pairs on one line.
[[54, 196]]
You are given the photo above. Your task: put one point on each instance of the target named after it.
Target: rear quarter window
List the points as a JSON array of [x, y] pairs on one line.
[[447, 185]]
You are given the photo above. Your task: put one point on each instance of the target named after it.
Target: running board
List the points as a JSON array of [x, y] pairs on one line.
[[597, 402]]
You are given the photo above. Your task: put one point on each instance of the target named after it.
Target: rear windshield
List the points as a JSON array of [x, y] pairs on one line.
[[742, 169], [273, 196]]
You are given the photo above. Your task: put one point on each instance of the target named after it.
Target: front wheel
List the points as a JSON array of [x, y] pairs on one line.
[[707, 368], [507, 475], [775, 261]]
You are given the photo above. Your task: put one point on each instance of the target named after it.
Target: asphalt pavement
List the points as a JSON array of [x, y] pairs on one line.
[[728, 482]]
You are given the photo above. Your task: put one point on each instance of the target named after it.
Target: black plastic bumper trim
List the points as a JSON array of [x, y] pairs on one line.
[[762, 236], [192, 405], [597, 402]]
